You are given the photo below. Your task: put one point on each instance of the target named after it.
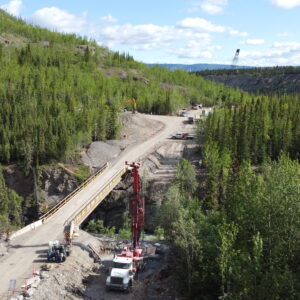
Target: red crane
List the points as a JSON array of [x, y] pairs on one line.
[[137, 209], [136, 206]]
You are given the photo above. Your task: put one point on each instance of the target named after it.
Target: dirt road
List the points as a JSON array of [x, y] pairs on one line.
[[25, 250]]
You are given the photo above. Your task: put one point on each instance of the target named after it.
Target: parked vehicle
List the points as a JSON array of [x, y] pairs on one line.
[[190, 120], [190, 136], [182, 136], [58, 252], [178, 136], [122, 274]]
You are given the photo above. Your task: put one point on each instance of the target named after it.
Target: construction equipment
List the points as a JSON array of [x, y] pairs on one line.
[[58, 252], [182, 136], [190, 120], [130, 260], [132, 101], [235, 59]]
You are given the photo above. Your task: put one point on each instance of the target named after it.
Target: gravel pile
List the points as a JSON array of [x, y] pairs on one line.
[[135, 129], [99, 153]]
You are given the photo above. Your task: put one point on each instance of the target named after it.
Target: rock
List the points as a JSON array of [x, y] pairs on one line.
[[19, 297], [44, 275], [56, 184], [29, 292], [46, 267]]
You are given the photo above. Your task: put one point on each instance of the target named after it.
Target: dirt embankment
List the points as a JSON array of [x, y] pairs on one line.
[[157, 174], [82, 276], [135, 129], [56, 182], [158, 171]]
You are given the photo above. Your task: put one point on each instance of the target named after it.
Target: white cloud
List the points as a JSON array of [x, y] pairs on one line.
[[212, 7], [199, 24], [234, 32], [287, 45], [286, 4], [202, 25], [109, 19], [253, 42], [278, 54], [196, 49], [58, 19], [148, 35], [196, 34], [13, 7]]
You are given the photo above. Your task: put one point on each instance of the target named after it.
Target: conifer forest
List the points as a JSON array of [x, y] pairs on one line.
[[235, 229]]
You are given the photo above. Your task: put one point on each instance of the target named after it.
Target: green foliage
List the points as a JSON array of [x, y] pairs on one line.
[[125, 231], [246, 247], [55, 98], [82, 173], [10, 206], [186, 176], [257, 130], [159, 233], [99, 228]]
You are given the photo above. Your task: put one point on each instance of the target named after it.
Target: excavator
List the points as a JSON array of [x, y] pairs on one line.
[[132, 101]]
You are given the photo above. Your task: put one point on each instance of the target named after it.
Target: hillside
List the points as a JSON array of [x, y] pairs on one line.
[[277, 80], [60, 92]]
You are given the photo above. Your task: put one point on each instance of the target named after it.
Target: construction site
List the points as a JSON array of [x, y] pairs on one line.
[[53, 258]]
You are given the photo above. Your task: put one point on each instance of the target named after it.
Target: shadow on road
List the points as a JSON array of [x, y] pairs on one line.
[[29, 246]]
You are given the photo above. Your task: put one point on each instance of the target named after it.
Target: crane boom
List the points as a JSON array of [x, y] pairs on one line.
[[235, 58], [136, 206]]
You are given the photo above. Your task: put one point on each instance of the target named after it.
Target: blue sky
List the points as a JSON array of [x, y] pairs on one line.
[[177, 31]]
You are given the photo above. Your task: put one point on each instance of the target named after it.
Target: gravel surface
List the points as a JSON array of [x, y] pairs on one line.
[[136, 128], [28, 248]]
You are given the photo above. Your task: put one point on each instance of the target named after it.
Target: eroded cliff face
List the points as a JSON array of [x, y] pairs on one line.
[[157, 174], [55, 184], [51, 186]]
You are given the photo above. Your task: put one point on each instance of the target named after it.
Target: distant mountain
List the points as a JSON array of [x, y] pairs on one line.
[[197, 67]]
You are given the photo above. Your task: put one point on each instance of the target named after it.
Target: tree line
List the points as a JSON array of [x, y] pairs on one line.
[[236, 231], [246, 245]]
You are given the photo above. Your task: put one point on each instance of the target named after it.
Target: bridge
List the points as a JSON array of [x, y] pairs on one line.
[[33, 239]]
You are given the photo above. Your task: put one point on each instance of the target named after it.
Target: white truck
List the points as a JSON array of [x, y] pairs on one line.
[[121, 274]]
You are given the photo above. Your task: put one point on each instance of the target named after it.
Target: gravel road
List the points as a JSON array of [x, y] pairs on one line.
[[25, 250]]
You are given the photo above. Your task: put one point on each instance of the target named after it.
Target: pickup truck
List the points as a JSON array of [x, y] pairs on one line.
[[182, 136]]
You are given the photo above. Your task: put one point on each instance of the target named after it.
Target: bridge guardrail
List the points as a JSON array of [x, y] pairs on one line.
[[54, 209], [86, 209], [29, 227]]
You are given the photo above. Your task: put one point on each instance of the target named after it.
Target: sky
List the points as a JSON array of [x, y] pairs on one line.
[[177, 31]]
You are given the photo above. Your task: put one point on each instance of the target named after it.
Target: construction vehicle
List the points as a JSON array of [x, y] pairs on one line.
[[132, 101], [57, 252], [190, 120], [182, 136], [131, 259]]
